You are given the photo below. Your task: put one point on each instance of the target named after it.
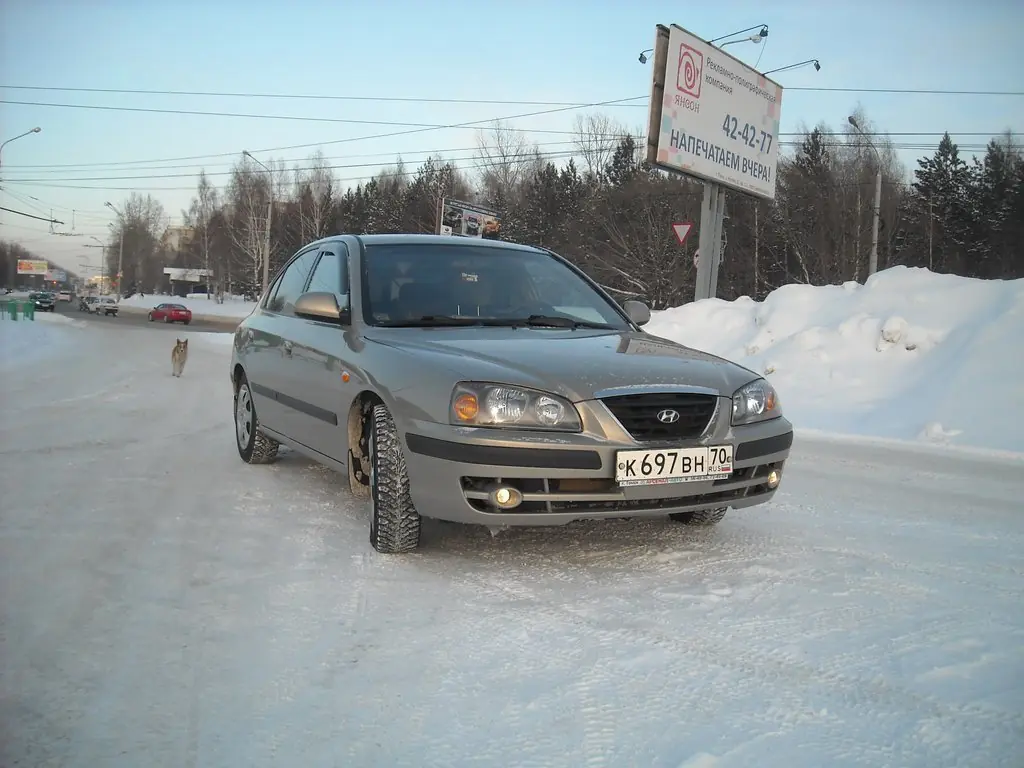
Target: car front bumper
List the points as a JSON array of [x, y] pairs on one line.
[[566, 477]]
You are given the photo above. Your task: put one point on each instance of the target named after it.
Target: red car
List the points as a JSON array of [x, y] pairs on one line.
[[171, 313]]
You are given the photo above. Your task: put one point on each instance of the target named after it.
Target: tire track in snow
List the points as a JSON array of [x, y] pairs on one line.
[[757, 668]]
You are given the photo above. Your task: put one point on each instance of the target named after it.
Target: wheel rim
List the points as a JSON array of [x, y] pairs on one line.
[[244, 417]]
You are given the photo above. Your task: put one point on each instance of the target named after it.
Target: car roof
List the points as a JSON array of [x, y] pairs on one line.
[[428, 239]]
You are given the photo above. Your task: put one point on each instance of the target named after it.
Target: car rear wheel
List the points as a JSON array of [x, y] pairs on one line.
[[253, 446], [706, 517], [394, 521]]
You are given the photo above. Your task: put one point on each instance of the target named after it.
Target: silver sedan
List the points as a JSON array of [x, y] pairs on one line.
[[486, 382]]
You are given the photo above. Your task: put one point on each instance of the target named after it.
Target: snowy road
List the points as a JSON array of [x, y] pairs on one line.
[[163, 604]]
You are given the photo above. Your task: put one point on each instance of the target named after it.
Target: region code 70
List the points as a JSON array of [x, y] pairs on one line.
[[747, 134]]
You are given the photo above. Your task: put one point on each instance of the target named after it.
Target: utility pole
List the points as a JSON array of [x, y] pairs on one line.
[[873, 258], [120, 252]]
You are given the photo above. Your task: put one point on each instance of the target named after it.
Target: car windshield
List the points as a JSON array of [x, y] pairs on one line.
[[437, 285]]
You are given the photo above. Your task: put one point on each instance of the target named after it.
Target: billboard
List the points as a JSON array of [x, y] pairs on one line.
[[187, 275], [32, 267], [712, 116], [56, 275], [468, 220]]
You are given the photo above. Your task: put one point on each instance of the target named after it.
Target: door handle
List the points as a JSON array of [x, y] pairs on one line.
[[287, 348]]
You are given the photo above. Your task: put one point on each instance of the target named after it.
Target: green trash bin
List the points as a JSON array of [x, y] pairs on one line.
[[28, 311]]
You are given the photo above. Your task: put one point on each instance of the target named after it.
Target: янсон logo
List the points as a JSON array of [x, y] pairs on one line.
[[691, 70]]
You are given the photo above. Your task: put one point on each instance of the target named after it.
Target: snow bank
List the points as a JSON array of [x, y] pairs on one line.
[[28, 341], [910, 355], [233, 306]]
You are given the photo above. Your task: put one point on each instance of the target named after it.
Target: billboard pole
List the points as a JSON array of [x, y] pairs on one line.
[[715, 119]]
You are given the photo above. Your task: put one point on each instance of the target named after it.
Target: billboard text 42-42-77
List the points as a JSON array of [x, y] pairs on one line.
[[716, 119]]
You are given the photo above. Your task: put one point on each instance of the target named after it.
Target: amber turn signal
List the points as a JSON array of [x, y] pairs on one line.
[[466, 407]]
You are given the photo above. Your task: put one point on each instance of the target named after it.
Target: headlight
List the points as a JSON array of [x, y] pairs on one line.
[[479, 404], [755, 402]]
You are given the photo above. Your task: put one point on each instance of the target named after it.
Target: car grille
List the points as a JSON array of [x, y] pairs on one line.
[[638, 414]]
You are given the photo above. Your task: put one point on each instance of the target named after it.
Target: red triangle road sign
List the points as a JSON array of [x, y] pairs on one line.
[[682, 229]]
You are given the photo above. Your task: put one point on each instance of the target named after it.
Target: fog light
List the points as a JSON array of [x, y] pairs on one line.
[[505, 497], [773, 479]]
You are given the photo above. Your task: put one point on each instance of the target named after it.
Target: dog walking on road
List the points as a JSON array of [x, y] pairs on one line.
[[179, 356]]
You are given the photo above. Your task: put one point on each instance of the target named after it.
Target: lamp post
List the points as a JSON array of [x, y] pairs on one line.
[[270, 208], [37, 129], [120, 250], [873, 258]]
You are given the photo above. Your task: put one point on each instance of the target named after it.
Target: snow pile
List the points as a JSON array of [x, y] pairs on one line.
[[909, 355], [28, 341], [233, 306]]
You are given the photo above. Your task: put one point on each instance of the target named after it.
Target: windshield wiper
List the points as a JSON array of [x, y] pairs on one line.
[[559, 321], [431, 321]]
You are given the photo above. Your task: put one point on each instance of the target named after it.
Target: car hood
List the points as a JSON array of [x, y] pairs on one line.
[[575, 364]]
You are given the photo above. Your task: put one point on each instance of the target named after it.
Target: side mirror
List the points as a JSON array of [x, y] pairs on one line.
[[637, 311], [323, 306]]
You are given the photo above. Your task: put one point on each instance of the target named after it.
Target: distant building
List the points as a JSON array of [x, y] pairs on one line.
[[177, 237]]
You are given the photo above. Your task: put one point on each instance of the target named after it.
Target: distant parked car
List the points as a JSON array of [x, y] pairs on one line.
[[171, 313], [64, 296], [44, 301], [487, 382]]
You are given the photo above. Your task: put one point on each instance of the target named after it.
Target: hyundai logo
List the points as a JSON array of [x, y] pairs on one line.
[[668, 416]]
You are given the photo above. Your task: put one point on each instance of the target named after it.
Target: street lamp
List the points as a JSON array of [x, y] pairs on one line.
[[37, 129], [815, 62], [120, 250], [270, 208], [873, 258]]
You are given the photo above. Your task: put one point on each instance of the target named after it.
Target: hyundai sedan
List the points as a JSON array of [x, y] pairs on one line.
[[485, 382]]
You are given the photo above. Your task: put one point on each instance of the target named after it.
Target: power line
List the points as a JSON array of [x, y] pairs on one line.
[[484, 163], [393, 158], [115, 166], [123, 164], [49, 183], [298, 118], [465, 124], [30, 216], [392, 123], [436, 100]]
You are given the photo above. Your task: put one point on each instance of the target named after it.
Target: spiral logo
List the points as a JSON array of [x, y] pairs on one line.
[[691, 71]]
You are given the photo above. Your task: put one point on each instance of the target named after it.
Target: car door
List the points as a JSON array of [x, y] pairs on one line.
[[268, 345], [322, 358]]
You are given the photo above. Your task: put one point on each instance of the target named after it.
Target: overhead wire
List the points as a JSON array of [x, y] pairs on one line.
[[391, 170], [452, 100]]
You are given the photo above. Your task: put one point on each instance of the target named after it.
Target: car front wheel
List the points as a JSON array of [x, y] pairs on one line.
[[253, 446], [394, 521], [705, 517], [151, 317]]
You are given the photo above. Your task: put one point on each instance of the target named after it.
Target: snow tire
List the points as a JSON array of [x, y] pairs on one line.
[[254, 447], [394, 521], [705, 517]]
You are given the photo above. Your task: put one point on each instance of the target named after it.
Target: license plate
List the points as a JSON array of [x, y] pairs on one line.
[[673, 465]]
